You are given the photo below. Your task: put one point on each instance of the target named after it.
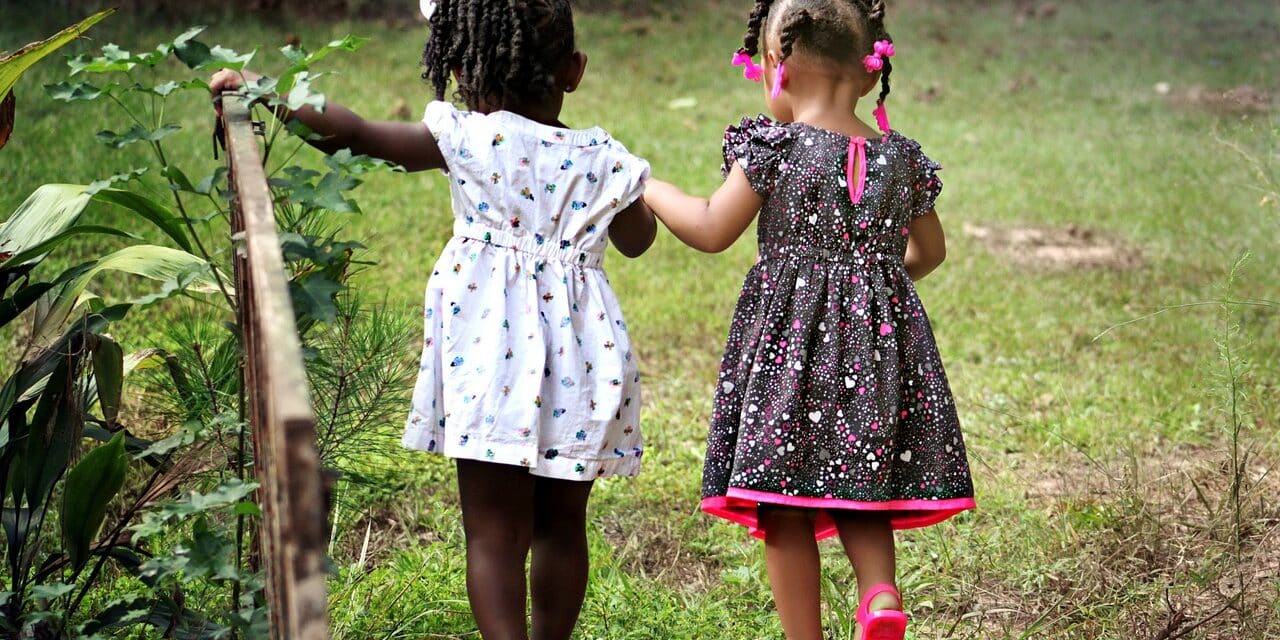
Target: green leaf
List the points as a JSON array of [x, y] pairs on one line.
[[199, 57], [13, 306], [148, 261], [327, 194], [108, 373], [42, 249], [178, 181], [211, 182], [167, 88], [345, 161], [12, 67], [51, 591], [229, 492], [300, 94], [119, 613], [314, 298], [210, 555], [49, 211], [189, 278], [154, 212], [136, 134], [106, 183], [79, 91], [89, 488], [247, 509], [300, 61], [55, 426], [113, 60], [8, 396]]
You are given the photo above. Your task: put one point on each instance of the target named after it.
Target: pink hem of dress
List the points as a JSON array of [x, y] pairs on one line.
[[741, 506]]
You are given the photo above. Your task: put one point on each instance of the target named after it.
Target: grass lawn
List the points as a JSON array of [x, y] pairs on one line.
[[1101, 458]]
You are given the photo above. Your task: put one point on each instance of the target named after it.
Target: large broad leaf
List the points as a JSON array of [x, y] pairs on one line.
[[12, 67], [39, 251], [90, 487], [35, 373], [55, 427], [185, 271], [8, 107], [51, 210], [152, 211], [108, 375], [47, 217], [13, 306]]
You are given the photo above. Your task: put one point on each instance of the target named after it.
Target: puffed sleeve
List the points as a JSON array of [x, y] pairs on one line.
[[925, 185], [444, 121], [634, 172], [760, 147]]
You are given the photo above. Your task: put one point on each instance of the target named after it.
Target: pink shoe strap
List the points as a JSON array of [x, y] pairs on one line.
[[864, 608]]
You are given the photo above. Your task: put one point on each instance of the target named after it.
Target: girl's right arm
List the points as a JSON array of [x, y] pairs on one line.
[[408, 144], [711, 225]]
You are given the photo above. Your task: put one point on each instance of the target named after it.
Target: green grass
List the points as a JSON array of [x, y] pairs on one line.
[[1084, 450]]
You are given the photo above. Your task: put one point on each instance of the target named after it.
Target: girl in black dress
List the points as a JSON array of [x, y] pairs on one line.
[[832, 412]]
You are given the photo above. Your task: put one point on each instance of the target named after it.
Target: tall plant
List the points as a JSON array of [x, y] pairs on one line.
[[355, 350]]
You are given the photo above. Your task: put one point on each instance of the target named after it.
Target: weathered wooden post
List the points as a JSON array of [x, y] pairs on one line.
[[287, 464]]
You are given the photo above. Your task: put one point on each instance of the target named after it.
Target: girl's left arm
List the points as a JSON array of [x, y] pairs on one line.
[[926, 246], [634, 229], [711, 225]]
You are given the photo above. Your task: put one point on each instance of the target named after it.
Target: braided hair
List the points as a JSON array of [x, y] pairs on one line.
[[842, 31], [503, 51]]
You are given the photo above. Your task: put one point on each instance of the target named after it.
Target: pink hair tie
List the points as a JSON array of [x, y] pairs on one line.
[[883, 51], [751, 70], [882, 118]]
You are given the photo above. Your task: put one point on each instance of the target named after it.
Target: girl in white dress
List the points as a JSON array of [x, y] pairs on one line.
[[527, 375]]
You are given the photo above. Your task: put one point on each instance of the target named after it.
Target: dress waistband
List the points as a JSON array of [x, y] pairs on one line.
[[869, 253], [534, 245]]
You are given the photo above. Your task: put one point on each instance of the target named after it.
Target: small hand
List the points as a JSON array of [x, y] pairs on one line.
[[228, 80]]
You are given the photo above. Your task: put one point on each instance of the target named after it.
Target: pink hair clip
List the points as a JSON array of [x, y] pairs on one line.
[[875, 62], [777, 81], [751, 70]]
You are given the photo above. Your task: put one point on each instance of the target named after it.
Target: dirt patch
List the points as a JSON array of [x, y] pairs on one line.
[[1245, 99], [1157, 519], [657, 550], [1055, 248]]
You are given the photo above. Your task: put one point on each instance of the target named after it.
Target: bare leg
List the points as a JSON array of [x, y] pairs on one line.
[[497, 515], [791, 553], [868, 541], [558, 574]]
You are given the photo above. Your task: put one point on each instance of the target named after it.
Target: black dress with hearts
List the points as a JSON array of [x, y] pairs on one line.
[[832, 394]]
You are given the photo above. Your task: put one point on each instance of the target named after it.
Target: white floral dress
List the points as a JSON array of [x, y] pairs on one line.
[[526, 359]]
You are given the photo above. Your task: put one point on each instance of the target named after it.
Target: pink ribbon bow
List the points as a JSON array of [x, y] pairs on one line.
[[751, 70]]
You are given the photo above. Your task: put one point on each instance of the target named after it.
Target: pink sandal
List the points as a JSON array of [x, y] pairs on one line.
[[885, 624]]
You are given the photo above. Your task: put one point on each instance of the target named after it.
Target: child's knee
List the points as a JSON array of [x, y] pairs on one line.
[[493, 538]]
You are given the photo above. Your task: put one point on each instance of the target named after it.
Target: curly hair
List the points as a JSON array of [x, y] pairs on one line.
[[842, 31], [502, 51]]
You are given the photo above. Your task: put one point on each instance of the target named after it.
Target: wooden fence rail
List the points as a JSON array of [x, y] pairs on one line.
[[287, 465]]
